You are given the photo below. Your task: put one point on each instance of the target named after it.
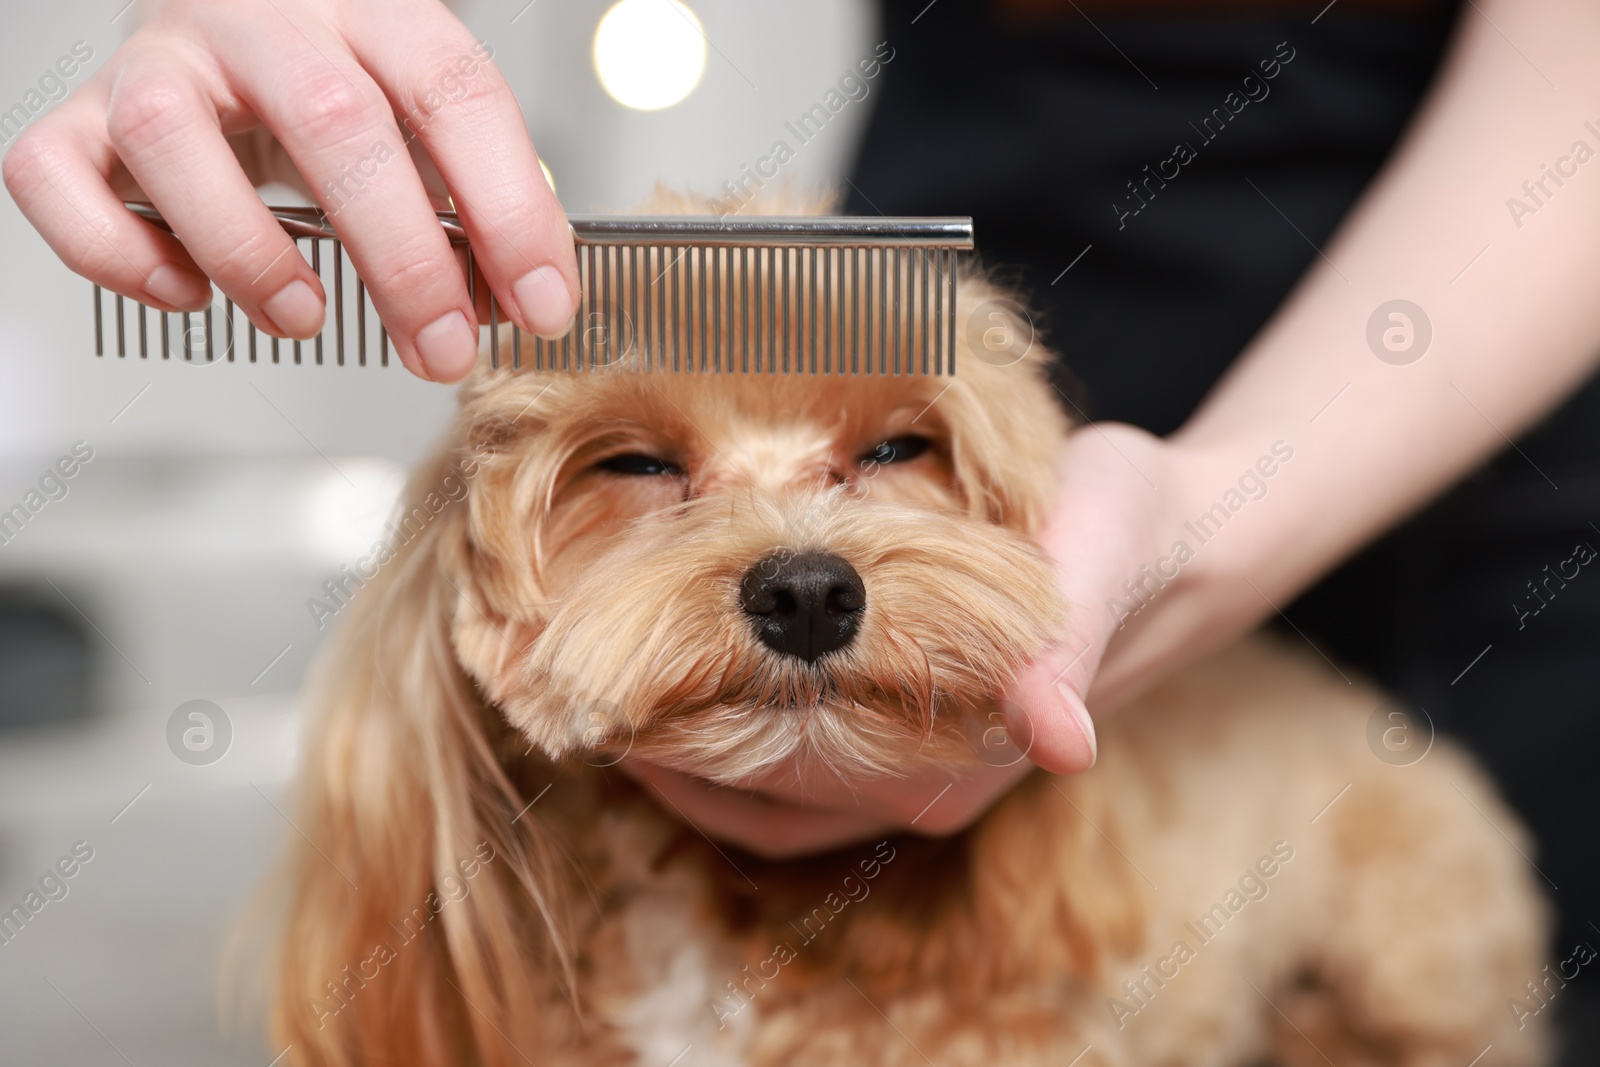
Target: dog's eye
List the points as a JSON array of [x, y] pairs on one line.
[[897, 450], [636, 463]]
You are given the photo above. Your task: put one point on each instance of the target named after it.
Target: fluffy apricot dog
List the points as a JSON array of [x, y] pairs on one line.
[[745, 573]]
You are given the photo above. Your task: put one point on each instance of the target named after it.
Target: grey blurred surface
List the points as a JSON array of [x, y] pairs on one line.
[[218, 500]]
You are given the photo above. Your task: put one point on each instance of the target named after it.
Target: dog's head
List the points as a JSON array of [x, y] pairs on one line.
[[734, 573]]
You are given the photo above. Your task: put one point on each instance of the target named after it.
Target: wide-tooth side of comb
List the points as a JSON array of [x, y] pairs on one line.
[[769, 295]]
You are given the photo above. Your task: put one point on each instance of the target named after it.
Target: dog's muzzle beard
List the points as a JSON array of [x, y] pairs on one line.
[[733, 636]]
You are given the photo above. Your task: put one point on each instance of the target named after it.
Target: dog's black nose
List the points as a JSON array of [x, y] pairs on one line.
[[806, 604]]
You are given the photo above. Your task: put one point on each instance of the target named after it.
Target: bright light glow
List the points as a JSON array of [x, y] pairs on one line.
[[649, 54]]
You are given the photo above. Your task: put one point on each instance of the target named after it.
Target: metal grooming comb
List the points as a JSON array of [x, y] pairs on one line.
[[772, 295]]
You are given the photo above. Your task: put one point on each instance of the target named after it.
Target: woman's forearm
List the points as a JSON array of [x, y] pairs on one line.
[[1512, 296]]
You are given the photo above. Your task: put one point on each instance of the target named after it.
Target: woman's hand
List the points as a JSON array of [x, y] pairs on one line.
[[1121, 494], [345, 87]]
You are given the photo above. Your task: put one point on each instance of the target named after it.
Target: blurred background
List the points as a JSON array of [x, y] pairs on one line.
[[174, 565], [176, 518]]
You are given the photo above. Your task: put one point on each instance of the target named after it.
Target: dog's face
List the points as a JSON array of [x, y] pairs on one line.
[[732, 574]]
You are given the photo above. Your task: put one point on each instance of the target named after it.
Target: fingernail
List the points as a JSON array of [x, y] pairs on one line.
[[178, 288], [295, 309], [1080, 717], [448, 347], [545, 301]]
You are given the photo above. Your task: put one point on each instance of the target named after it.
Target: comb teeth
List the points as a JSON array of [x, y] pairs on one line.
[[781, 295]]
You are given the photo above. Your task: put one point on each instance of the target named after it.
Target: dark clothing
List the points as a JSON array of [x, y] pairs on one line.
[[1042, 131]]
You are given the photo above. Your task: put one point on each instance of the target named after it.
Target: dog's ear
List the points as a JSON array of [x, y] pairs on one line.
[[1005, 426], [423, 920], [513, 457]]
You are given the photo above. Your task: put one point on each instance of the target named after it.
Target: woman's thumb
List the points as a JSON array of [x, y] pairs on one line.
[[1046, 706]]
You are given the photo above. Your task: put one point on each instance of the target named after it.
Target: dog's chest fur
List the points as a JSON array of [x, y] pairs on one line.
[[702, 953], [676, 959], [1048, 930]]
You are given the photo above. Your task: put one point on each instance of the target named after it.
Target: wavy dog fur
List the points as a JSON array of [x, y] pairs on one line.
[[477, 887]]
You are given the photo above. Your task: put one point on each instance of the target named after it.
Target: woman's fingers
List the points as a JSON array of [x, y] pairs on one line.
[[163, 111], [1047, 708], [449, 95], [168, 135], [1114, 498], [336, 125], [57, 173]]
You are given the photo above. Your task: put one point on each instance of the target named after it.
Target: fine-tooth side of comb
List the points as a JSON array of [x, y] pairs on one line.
[[770, 295]]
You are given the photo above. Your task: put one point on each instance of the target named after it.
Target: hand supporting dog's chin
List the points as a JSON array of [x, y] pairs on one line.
[[782, 814]]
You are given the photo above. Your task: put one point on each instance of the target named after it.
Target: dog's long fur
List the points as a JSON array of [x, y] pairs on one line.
[[480, 886]]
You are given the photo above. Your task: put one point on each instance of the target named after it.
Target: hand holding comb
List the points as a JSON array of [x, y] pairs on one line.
[[763, 295]]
